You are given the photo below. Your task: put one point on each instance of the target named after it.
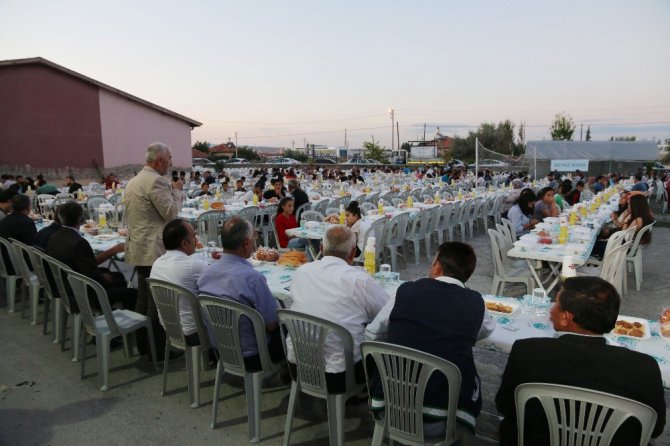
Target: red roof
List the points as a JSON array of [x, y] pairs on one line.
[[195, 153], [226, 147]]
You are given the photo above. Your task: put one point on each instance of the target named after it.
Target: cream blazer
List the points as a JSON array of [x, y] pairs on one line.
[[150, 204]]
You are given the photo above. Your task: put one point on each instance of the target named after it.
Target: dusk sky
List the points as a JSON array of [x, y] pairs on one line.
[[282, 73]]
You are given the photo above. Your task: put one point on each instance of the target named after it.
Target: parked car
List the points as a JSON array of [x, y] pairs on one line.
[[456, 163], [283, 161], [492, 164], [359, 161], [234, 161], [202, 164], [324, 161]]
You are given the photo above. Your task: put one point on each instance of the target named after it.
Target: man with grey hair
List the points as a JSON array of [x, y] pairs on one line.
[[151, 202], [512, 196], [233, 277], [333, 289]]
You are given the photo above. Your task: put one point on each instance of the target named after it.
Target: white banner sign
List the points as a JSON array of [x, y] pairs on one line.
[[570, 165]]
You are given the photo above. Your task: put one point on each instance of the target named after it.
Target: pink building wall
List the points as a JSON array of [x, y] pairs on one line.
[[48, 118], [128, 127]]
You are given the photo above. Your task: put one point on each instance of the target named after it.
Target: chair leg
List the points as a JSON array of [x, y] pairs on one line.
[[165, 367], [34, 302], [82, 344], [57, 321], [289, 413], [63, 316], [378, 435], [152, 344], [45, 319], [417, 250], [637, 270], [335, 405], [10, 288], [193, 374], [253, 383], [77, 334], [217, 385], [102, 350]]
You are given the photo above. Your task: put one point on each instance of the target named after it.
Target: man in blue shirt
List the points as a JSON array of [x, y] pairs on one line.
[[233, 277], [639, 184]]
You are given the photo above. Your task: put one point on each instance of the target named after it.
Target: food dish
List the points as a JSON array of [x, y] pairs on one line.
[[632, 328], [217, 205], [266, 254], [292, 258], [504, 307], [664, 324]]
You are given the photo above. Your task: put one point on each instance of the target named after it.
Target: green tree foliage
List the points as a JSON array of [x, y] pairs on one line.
[[296, 155], [665, 159], [499, 138], [248, 153], [374, 151], [588, 133], [203, 146], [562, 128], [623, 138]]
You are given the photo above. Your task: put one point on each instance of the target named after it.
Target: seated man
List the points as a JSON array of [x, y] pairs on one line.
[[72, 185], [277, 192], [18, 225], [68, 246], [440, 316], [333, 289], [586, 308], [233, 277], [6, 202], [299, 196], [179, 266], [44, 234]]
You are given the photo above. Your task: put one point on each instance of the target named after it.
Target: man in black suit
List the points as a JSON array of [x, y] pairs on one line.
[[299, 196], [68, 246], [72, 185], [585, 309], [18, 225]]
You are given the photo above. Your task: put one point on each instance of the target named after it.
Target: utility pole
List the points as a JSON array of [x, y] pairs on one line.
[[392, 113], [581, 128], [235, 144]]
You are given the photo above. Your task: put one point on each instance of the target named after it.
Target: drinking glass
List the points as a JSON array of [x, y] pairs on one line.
[[541, 302]]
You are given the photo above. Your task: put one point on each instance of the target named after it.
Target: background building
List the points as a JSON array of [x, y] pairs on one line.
[[51, 116]]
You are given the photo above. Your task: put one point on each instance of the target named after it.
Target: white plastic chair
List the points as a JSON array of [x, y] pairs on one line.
[[263, 224], [394, 240], [613, 266], [367, 207], [321, 206], [502, 269], [417, 230], [273, 223], [510, 229], [377, 230], [404, 373], [31, 283], [223, 319], [169, 298], [51, 296], [209, 225], [59, 272], [249, 213], [109, 325], [311, 216], [308, 335], [444, 223], [93, 204], [579, 416], [5, 272], [634, 258]]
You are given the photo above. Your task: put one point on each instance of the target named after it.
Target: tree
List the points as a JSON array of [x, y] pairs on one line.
[[562, 128], [247, 153], [665, 159], [374, 151], [203, 146], [521, 144], [588, 133], [498, 138], [296, 155]]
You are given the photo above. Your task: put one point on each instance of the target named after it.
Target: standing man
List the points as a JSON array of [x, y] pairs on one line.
[[586, 309], [151, 202]]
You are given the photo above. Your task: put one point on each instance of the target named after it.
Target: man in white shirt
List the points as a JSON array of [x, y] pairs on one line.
[[331, 288], [179, 266]]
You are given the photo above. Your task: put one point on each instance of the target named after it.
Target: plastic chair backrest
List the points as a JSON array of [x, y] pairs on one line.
[[320, 206], [332, 211], [7, 250], [404, 373], [208, 225], [579, 416], [614, 265], [21, 258], [249, 213], [396, 229], [82, 288], [510, 228], [223, 317], [59, 271], [636, 243], [36, 260], [94, 202], [168, 298], [311, 216], [500, 259], [273, 224], [377, 230], [308, 336], [303, 207], [367, 207]]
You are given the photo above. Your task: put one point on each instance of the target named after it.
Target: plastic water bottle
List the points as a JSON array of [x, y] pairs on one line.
[[255, 200], [341, 214], [369, 256], [410, 201], [380, 206], [205, 203], [438, 200]]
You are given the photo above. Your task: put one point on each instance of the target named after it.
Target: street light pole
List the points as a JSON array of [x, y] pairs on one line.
[[235, 144], [392, 113]]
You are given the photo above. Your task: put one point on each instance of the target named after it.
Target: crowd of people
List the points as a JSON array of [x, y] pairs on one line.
[[437, 314]]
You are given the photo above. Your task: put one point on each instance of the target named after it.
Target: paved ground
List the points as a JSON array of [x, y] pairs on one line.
[[61, 409]]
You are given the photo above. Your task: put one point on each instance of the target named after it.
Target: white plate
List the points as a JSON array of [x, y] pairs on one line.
[[644, 322], [513, 305], [255, 262]]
